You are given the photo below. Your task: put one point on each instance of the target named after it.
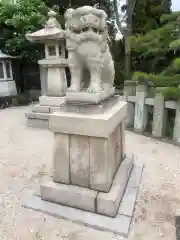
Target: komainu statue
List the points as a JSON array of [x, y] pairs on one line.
[[89, 57]]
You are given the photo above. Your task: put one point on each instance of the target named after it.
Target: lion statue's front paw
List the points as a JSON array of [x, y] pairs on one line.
[[94, 88], [73, 88]]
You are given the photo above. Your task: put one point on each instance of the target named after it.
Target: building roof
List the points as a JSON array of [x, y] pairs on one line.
[[4, 56]]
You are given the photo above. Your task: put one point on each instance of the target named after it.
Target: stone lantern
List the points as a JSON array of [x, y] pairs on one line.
[[7, 84], [54, 63]]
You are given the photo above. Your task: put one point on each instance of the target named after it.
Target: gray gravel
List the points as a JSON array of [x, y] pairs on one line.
[[25, 156]]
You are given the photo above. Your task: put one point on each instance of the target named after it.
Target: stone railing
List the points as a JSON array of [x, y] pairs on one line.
[[140, 98]]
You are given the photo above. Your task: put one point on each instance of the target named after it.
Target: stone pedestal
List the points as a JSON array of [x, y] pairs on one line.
[[38, 116], [88, 159]]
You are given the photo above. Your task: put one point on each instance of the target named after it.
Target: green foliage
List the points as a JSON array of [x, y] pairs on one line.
[[158, 80], [170, 93], [148, 14], [173, 68], [154, 51], [16, 21], [165, 18]]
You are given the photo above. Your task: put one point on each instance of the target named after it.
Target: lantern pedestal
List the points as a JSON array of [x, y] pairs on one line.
[[54, 77]]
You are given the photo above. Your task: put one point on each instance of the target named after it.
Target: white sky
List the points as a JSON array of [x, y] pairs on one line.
[[175, 5]]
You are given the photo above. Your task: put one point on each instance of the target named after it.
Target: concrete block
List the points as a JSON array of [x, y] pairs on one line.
[[129, 198], [37, 123], [171, 104], [122, 135], [51, 101], [119, 225], [159, 116], [54, 109], [70, 195], [176, 136], [79, 160], [35, 115], [118, 145], [61, 158], [141, 113], [40, 109], [85, 97], [56, 81], [108, 203], [129, 120]]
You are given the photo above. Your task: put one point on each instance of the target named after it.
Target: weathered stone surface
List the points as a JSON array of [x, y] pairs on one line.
[[159, 116], [176, 136], [101, 167], [118, 144], [56, 82], [61, 158], [73, 196], [129, 121], [93, 98], [141, 114], [129, 198], [79, 160], [35, 115], [37, 123], [108, 203], [51, 101], [54, 109], [89, 123], [43, 79], [40, 109], [122, 136], [119, 225]]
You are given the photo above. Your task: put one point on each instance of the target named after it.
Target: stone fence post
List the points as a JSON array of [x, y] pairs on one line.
[[129, 90], [141, 113], [159, 116], [176, 135]]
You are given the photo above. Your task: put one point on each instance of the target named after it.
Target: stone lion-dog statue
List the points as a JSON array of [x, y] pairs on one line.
[[89, 58]]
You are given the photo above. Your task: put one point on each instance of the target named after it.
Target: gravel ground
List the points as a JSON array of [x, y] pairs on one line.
[[25, 155]]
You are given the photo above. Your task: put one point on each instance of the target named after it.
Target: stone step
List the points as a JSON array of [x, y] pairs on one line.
[[91, 200], [108, 203], [35, 115]]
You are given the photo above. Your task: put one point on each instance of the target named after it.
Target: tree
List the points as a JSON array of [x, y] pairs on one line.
[[155, 50], [159, 50], [148, 14], [16, 21], [128, 8]]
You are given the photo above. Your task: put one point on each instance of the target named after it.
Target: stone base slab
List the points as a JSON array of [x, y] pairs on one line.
[[119, 225], [89, 98], [38, 116], [87, 199], [37, 123], [51, 101], [73, 196]]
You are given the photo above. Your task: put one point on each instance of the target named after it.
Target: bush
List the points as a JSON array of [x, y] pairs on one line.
[[157, 80], [169, 93]]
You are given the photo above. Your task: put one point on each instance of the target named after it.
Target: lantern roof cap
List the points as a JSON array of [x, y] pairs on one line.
[[51, 31]]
